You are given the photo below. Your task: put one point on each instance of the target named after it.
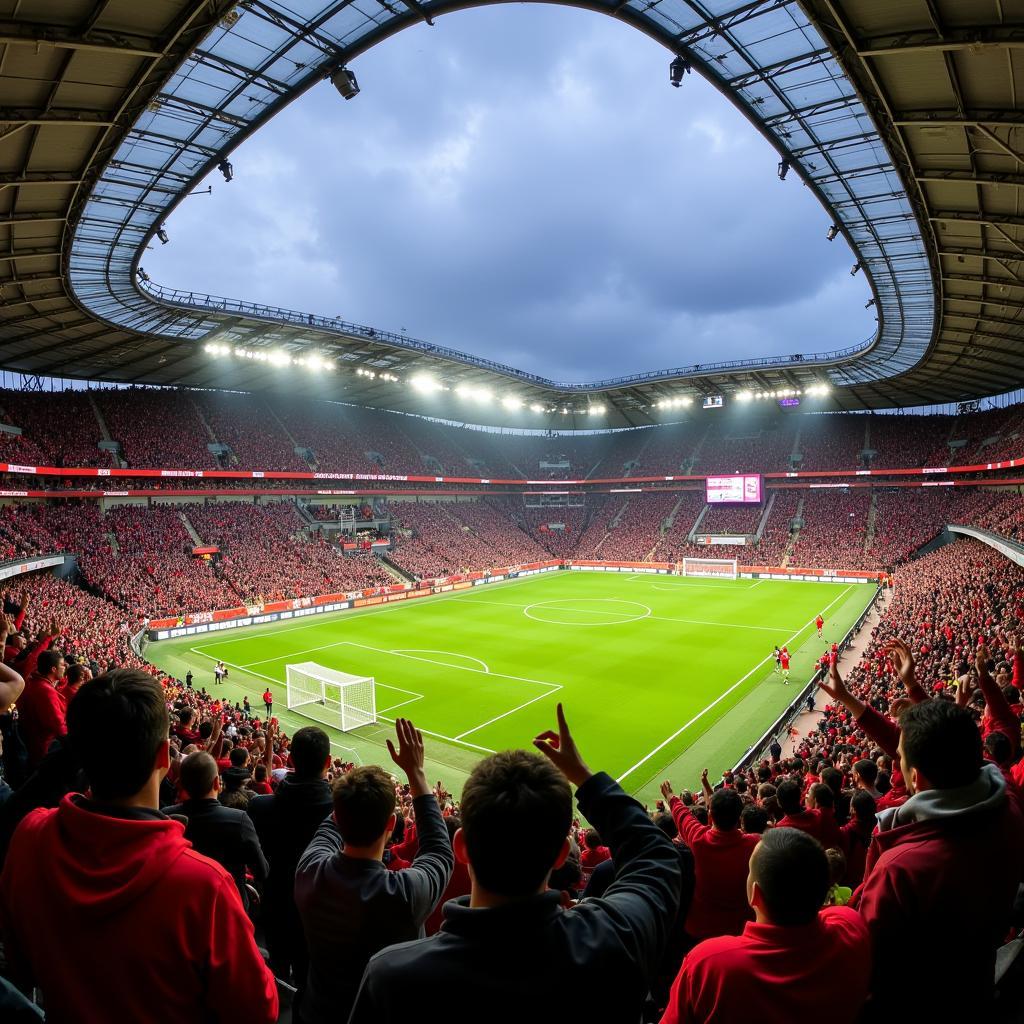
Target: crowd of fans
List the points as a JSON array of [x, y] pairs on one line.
[[826, 881], [171, 428]]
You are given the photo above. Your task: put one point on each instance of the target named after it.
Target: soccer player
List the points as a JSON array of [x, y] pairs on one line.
[[778, 660], [820, 623], [784, 662]]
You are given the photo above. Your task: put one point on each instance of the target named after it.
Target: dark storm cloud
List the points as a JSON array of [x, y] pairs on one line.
[[524, 184]]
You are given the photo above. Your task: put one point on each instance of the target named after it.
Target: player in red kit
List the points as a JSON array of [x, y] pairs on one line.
[[820, 623], [784, 659]]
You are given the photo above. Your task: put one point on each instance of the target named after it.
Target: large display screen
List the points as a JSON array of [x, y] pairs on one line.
[[739, 489]]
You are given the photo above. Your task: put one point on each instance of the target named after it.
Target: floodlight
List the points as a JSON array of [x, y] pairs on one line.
[[345, 82], [784, 166], [536, 408], [832, 232], [226, 169], [512, 403], [425, 383], [680, 66], [162, 235], [142, 275], [853, 271]]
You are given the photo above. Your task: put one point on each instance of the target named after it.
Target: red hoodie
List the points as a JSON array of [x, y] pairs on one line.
[[41, 715], [149, 928]]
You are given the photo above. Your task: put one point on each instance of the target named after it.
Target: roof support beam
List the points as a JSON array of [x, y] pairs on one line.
[[983, 37], [20, 33]]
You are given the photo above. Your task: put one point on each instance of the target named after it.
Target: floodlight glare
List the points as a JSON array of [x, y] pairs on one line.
[[424, 383], [512, 403], [536, 408]]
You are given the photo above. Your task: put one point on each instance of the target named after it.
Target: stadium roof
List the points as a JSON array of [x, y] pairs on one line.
[[901, 115]]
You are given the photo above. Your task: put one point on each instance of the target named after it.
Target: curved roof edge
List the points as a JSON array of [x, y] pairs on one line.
[[767, 57]]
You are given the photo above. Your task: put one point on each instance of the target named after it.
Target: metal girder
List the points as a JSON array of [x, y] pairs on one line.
[[964, 217], [21, 33], [924, 40], [29, 254], [965, 177], [30, 218]]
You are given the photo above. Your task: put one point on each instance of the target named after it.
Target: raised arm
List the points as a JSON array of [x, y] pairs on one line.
[[687, 825], [998, 715], [903, 661], [884, 731], [11, 682], [640, 906], [423, 883]]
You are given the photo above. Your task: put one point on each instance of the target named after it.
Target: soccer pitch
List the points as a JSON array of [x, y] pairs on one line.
[[660, 675]]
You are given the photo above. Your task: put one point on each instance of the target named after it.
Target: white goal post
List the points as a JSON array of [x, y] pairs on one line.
[[723, 568], [332, 698]]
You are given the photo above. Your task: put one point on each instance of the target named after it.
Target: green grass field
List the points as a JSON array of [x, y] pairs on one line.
[[660, 676]]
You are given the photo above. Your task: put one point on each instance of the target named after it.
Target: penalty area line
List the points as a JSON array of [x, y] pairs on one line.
[[700, 714], [555, 687]]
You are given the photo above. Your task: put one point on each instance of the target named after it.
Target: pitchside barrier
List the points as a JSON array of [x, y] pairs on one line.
[[276, 611]]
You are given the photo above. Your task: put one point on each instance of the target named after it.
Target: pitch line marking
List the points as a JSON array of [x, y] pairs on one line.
[[426, 732], [587, 611], [451, 654], [400, 704], [722, 696], [497, 718], [694, 586]]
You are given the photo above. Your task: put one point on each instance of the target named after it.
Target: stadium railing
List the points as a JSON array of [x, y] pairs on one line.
[[1013, 549]]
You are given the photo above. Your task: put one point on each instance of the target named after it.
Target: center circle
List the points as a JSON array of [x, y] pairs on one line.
[[587, 611]]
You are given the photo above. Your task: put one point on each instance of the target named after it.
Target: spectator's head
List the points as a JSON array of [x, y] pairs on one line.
[[364, 809], [17, 641], [199, 777], [516, 812], [667, 824], [239, 757], [259, 773], [311, 753], [51, 665], [205, 731], [185, 716], [865, 774], [864, 807], [591, 839], [940, 746], [724, 809], [754, 820], [118, 726], [822, 797], [998, 749], [788, 878], [788, 795], [836, 865], [76, 675], [833, 778]]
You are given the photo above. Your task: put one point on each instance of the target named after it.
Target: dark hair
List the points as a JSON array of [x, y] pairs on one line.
[[700, 812], [205, 730], [836, 864], [997, 746], [823, 795], [725, 807], [116, 725], [259, 773], [591, 839], [667, 824], [364, 799], [789, 797], [867, 770], [942, 742], [74, 674], [48, 661], [198, 772], [754, 820], [792, 872], [239, 757], [311, 747], [864, 806], [833, 778], [516, 812]]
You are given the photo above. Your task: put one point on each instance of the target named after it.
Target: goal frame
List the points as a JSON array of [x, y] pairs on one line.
[[339, 699], [713, 568]]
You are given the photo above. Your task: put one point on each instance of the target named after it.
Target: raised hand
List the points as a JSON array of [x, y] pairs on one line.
[[667, 791], [903, 661], [409, 755], [560, 749]]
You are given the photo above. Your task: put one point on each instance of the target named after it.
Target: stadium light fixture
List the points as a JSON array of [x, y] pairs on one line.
[[161, 233], [512, 403], [142, 275], [536, 408], [226, 169], [425, 384], [784, 166], [345, 82], [680, 66], [744, 396], [854, 269], [832, 232], [595, 410], [869, 303]]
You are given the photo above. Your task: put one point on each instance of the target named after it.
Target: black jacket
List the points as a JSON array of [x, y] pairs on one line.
[[533, 961], [226, 835], [286, 821], [351, 908]]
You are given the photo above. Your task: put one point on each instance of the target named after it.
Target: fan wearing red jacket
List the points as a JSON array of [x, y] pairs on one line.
[[151, 929], [788, 961]]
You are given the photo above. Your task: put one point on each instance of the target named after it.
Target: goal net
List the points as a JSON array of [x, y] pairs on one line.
[[329, 697], [724, 568]]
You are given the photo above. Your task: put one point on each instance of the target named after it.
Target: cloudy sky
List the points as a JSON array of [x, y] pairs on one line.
[[522, 183]]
